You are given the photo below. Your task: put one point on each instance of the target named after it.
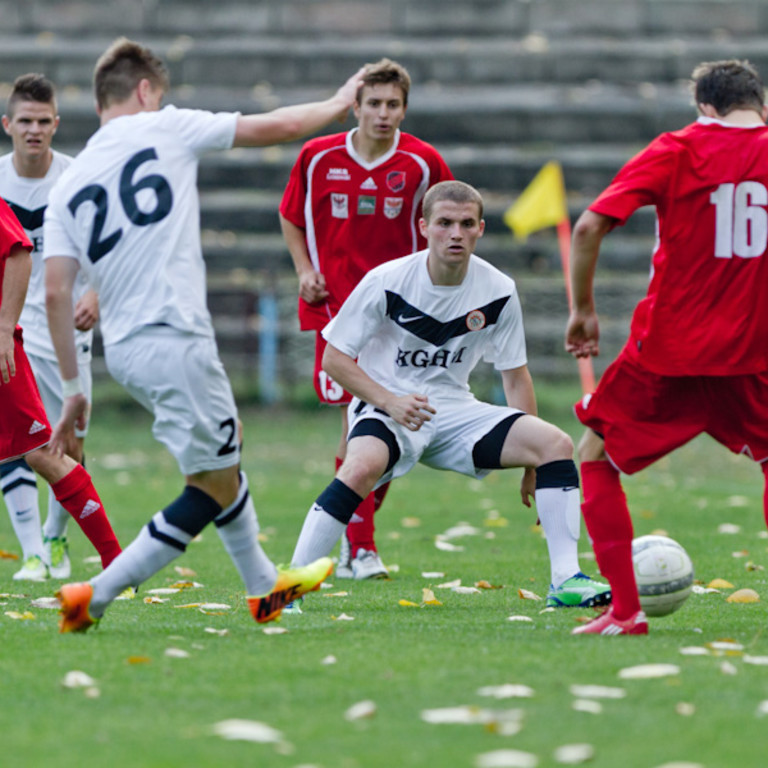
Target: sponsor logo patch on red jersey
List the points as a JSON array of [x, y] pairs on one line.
[[393, 207], [396, 180]]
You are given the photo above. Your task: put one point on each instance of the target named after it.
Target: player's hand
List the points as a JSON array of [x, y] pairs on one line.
[[582, 335], [348, 93], [312, 286], [73, 414], [412, 411], [528, 486], [87, 311], [7, 359]]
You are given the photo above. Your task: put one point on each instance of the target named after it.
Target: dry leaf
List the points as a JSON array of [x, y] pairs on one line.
[[465, 590], [519, 618], [326, 585], [155, 600], [525, 594], [410, 522], [17, 616], [737, 501], [727, 668], [726, 647], [219, 632], [328, 660], [457, 531], [762, 708], [247, 730], [686, 709], [694, 650], [680, 764], [729, 528], [506, 758], [506, 691], [574, 754], [449, 584], [163, 591], [597, 692], [483, 584], [407, 604], [343, 617], [50, 603], [185, 573], [432, 574], [77, 679], [92, 693], [697, 589], [743, 596], [362, 709], [4, 555], [428, 597], [750, 565], [761, 661], [337, 594], [176, 653], [470, 715], [274, 630], [186, 585], [214, 609], [496, 522], [740, 553], [139, 660], [648, 671], [720, 584], [590, 706], [446, 546]]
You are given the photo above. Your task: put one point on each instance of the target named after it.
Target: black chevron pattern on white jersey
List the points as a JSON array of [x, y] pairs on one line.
[[30, 220]]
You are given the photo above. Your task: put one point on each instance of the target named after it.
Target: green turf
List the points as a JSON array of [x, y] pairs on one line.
[[155, 710]]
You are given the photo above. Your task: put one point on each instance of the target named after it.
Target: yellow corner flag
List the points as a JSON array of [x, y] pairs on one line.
[[541, 204]]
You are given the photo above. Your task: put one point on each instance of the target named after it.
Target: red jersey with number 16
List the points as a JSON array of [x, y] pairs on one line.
[[11, 234], [357, 215], [706, 310]]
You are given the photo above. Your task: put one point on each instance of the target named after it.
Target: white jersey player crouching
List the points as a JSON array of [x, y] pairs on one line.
[[404, 343], [127, 211]]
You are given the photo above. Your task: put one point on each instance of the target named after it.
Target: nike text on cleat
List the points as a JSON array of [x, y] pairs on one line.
[[33, 569], [606, 624], [57, 556], [579, 592], [291, 584], [75, 600]]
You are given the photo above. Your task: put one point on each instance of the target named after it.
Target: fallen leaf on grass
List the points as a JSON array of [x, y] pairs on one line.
[[18, 616], [680, 764], [719, 584], [737, 501], [740, 553], [77, 679], [247, 730], [574, 754], [751, 565], [428, 597], [186, 585], [519, 618], [219, 632], [328, 660], [590, 706], [337, 594], [743, 596], [506, 758], [432, 574], [525, 594], [697, 589], [49, 603], [4, 555], [694, 650], [506, 691], [274, 630], [156, 600], [185, 573], [163, 591], [139, 660], [729, 529], [449, 584], [725, 647], [407, 604], [762, 708], [343, 617], [597, 692], [465, 590], [176, 653], [648, 671], [360, 710], [495, 522], [446, 546], [457, 531], [483, 584], [470, 715], [410, 522], [728, 669], [761, 661]]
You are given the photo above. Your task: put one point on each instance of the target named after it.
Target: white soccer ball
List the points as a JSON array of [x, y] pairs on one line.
[[664, 574]]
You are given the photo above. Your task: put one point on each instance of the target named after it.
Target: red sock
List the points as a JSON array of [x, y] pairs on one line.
[[360, 530], [75, 492], [610, 527], [378, 496], [765, 492]]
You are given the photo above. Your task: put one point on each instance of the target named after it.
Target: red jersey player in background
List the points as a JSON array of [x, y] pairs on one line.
[[697, 355], [24, 427], [353, 201]]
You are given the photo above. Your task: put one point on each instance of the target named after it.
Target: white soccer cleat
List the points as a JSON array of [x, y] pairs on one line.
[[344, 566], [33, 569], [366, 564], [56, 554]]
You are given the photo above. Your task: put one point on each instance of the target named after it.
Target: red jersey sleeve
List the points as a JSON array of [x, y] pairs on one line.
[[11, 231], [292, 203]]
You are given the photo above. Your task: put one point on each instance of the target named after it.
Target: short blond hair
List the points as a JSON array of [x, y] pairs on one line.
[[383, 72], [122, 67], [456, 192]]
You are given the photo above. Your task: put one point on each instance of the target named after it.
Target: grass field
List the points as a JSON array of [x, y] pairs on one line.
[[148, 708]]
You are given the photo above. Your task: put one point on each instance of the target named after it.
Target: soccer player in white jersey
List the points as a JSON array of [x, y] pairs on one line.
[[127, 212], [404, 344], [26, 177]]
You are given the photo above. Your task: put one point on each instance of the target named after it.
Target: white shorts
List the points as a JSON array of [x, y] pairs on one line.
[[179, 378], [446, 442], [48, 381]]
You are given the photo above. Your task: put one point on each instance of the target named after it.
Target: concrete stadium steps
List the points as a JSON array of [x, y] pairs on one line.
[[624, 18]]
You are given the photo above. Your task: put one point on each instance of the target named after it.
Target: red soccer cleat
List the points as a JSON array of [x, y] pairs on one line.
[[607, 624]]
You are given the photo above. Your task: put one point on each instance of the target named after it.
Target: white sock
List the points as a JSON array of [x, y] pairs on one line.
[[318, 536], [240, 536], [55, 526], [20, 492], [560, 514], [142, 558]]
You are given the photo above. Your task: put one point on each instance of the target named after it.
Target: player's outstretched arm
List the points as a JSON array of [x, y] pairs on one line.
[[409, 410], [294, 122], [18, 267], [583, 333]]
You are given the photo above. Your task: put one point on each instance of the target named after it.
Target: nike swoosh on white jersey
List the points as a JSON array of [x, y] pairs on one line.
[[404, 319]]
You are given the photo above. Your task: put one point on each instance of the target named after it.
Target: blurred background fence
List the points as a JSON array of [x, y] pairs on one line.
[[500, 87]]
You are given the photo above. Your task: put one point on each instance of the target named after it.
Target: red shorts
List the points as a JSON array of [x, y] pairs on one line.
[[23, 423], [328, 391], [643, 416]]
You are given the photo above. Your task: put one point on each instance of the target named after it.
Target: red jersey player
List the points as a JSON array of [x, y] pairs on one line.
[[353, 201], [697, 355], [24, 427]]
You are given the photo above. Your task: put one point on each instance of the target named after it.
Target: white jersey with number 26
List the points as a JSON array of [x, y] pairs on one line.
[[127, 208]]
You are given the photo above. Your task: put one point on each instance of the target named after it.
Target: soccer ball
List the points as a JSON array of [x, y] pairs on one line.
[[664, 574]]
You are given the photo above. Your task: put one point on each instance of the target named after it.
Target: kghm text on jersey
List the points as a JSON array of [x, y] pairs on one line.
[[422, 358]]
